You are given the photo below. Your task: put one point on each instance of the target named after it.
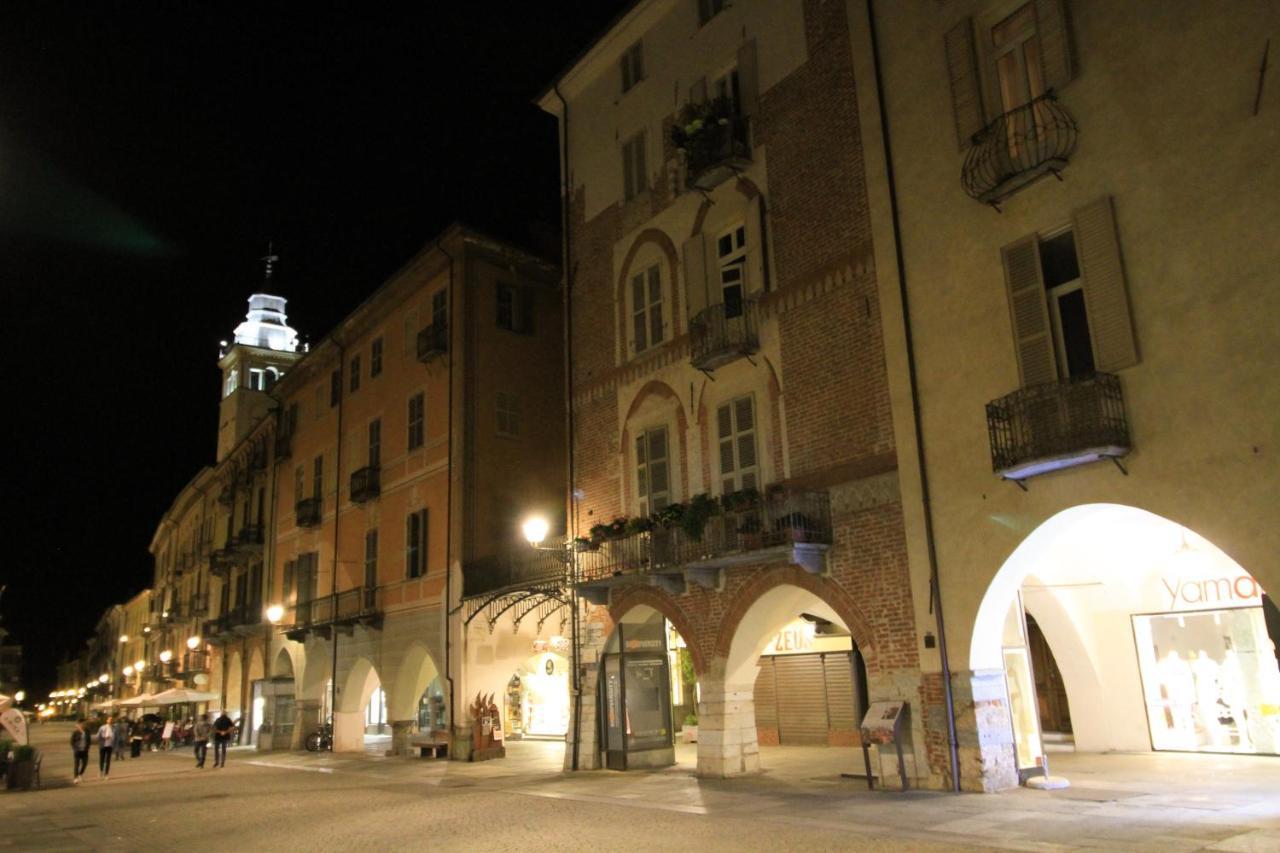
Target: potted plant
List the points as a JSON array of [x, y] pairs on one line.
[[693, 522], [706, 132], [669, 516], [741, 500], [751, 532], [21, 767], [689, 731], [585, 543], [640, 524]]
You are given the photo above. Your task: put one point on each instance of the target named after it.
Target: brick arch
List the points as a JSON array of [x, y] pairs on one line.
[[659, 238], [648, 596], [744, 185], [834, 595], [655, 388]]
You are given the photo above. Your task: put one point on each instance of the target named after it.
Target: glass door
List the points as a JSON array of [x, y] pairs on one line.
[[1023, 706]]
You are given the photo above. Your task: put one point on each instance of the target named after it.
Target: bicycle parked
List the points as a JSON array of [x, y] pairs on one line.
[[320, 739]]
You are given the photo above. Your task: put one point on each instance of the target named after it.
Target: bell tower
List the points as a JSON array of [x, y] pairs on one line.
[[262, 348]]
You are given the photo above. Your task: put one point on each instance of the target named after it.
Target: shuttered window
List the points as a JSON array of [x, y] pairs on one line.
[[1068, 301], [417, 410], [653, 485], [415, 551], [966, 90], [736, 429], [646, 308], [634, 172], [371, 559]]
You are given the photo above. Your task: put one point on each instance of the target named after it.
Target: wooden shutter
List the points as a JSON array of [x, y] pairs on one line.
[[748, 78], [698, 91], [1106, 298], [1055, 43], [966, 91], [695, 273], [801, 699], [1029, 311], [756, 274]]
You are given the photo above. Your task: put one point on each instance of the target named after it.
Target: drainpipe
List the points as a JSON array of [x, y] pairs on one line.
[[337, 515], [448, 527], [935, 588], [571, 517]]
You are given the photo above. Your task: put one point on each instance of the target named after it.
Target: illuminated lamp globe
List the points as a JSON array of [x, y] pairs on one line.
[[124, 638], [19, 696], [139, 666], [128, 671], [535, 529], [104, 678], [166, 656], [275, 613], [193, 642]]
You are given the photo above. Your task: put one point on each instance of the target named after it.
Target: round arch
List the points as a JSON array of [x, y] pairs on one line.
[[416, 672], [647, 596], [660, 240]]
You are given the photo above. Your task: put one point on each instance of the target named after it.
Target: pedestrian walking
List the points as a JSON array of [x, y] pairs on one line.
[[166, 736], [221, 737], [80, 740], [121, 737], [106, 741], [202, 732]]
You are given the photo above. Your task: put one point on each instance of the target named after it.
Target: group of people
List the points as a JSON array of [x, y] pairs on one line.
[[113, 735]]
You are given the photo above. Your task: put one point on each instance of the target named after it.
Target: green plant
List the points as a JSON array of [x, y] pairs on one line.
[[690, 719], [585, 543], [669, 516], [694, 520], [700, 128], [741, 500], [640, 524], [24, 752]]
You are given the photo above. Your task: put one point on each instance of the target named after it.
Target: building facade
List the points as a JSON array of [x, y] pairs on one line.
[[1089, 302], [735, 468]]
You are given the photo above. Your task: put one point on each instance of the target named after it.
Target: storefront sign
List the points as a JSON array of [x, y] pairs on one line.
[[1239, 590]]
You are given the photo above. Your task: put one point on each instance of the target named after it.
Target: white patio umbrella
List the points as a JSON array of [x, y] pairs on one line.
[[105, 705], [181, 694], [139, 701]]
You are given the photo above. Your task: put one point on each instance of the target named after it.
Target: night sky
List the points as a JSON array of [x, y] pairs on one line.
[[148, 153]]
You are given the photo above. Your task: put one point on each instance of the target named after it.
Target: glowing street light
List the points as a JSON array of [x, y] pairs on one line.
[[166, 656], [193, 642], [128, 672], [20, 695], [139, 666], [124, 638], [104, 678], [535, 529], [274, 614]]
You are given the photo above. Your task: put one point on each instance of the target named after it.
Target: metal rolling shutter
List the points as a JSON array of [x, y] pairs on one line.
[[801, 699], [766, 696], [842, 699]]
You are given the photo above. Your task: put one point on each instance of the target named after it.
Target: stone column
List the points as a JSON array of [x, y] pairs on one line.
[[727, 743], [348, 731], [306, 719], [984, 731], [401, 730], [588, 731]]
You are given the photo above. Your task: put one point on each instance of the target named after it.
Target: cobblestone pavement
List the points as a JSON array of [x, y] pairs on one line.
[[292, 801]]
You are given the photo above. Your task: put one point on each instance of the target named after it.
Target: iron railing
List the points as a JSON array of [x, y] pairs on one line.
[[250, 537], [226, 623], [528, 568], [361, 602], [723, 333], [718, 151], [1036, 139], [778, 519], [433, 341], [307, 512], [366, 484], [1058, 420], [194, 662]]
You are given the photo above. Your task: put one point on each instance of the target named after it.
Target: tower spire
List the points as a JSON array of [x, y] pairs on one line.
[[270, 258]]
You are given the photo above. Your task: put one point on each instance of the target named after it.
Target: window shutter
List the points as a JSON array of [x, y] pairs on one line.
[[1055, 43], [724, 423], [1029, 311], [424, 554], [756, 274], [748, 78], [698, 91], [962, 71], [695, 273], [1106, 299]]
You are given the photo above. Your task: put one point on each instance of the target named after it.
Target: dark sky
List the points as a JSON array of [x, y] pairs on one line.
[[148, 152]]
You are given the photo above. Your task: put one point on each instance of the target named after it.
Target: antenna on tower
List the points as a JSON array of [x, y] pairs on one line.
[[270, 259]]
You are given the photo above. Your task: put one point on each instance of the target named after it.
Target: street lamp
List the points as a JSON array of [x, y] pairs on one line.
[[274, 614], [535, 529], [19, 696], [139, 666], [192, 643], [124, 638], [104, 678], [166, 656], [128, 672]]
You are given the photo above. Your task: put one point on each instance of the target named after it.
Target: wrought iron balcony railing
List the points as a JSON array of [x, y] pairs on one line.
[[433, 341], [194, 662], [1017, 148], [523, 569], [240, 616], [250, 537], [307, 512], [366, 484], [795, 521], [1057, 425], [723, 333], [359, 604], [718, 152]]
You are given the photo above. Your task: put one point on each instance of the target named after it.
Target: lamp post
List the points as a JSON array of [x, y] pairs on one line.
[[535, 529]]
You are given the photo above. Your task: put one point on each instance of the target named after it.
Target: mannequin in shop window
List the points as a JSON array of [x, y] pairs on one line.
[[1178, 690]]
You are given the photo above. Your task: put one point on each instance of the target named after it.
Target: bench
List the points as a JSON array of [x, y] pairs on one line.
[[430, 746]]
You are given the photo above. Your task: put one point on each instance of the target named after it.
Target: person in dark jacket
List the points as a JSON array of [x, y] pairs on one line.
[[122, 736], [221, 737], [202, 732], [80, 741]]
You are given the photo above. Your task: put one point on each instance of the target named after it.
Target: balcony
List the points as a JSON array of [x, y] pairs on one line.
[[1057, 425], [241, 619], [1019, 147], [794, 526], [250, 538], [222, 559], [359, 605], [227, 497], [526, 569], [307, 512], [366, 484], [193, 662], [433, 341], [162, 671], [283, 445], [723, 333], [719, 151]]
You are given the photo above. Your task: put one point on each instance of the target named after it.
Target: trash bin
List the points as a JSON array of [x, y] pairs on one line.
[[135, 748]]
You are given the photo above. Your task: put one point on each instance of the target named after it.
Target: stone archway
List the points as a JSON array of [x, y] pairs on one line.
[[414, 673], [353, 698]]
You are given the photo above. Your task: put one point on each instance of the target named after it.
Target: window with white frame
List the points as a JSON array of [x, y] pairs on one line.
[[736, 434], [653, 481], [731, 260], [635, 178], [647, 327], [632, 66]]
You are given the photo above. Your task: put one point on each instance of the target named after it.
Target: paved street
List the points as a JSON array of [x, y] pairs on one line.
[[290, 801]]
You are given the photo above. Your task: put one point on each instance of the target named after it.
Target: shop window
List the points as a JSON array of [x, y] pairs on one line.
[[653, 486], [736, 430], [647, 326]]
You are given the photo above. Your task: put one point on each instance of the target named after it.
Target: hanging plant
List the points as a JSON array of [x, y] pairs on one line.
[[694, 520]]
